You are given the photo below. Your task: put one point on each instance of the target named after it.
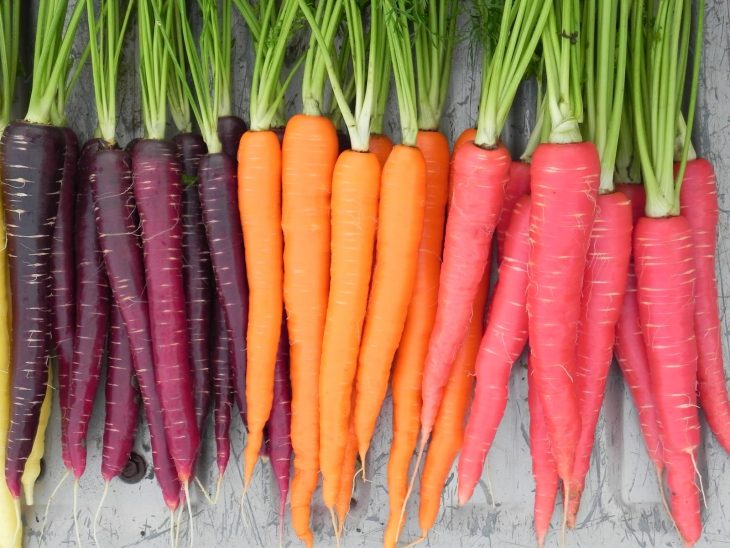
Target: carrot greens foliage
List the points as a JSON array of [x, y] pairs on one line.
[[9, 40]]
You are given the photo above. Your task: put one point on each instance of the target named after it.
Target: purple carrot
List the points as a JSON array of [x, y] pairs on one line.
[[158, 192], [31, 156], [197, 274], [122, 400], [117, 224], [92, 314], [279, 425], [63, 284], [219, 198], [230, 129], [222, 388]]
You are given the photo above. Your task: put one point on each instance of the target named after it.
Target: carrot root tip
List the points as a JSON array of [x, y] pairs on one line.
[[77, 531], [97, 514]]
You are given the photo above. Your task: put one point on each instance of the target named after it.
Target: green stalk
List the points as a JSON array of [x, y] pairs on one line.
[[659, 55], [435, 33], [154, 17], [9, 39], [328, 16], [176, 93], [272, 31], [382, 89], [628, 167], [606, 45], [366, 67], [561, 50], [50, 75], [106, 37], [400, 46], [522, 23]]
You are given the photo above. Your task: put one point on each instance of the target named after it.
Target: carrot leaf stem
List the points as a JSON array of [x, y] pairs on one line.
[[605, 33], [561, 50], [367, 66], [9, 40], [106, 37], [659, 56], [328, 16], [401, 46], [51, 73], [520, 29], [154, 19]]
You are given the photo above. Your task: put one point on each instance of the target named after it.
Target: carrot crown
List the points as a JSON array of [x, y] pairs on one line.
[[271, 31], [562, 54], [328, 16], [9, 38], [154, 19], [367, 66], [400, 46], [106, 36], [206, 67], [435, 31], [522, 22], [52, 61], [659, 60], [605, 31]]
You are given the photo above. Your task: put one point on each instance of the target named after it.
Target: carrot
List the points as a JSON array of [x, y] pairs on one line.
[[504, 339], [604, 280], [347, 479], [259, 202], [698, 204], [32, 470], [564, 183], [448, 431], [517, 187], [544, 469], [480, 172], [381, 146], [469, 134], [408, 364], [664, 252], [354, 207], [309, 153]]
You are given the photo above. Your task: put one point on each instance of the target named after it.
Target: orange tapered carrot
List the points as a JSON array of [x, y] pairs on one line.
[[408, 365], [355, 189], [448, 432], [381, 146], [309, 153], [347, 479], [259, 202], [400, 225]]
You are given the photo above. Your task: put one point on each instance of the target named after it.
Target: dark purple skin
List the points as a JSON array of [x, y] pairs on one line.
[[219, 197], [117, 225], [92, 314], [230, 130], [158, 194], [197, 273], [343, 140], [279, 425], [220, 368], [31, 159], [63, 282], [122, 400]]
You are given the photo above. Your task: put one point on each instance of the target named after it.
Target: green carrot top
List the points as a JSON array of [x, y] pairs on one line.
[[106, 37], [521, 24], [562, 53], [605, 30], [9, 39], [328, 15], [659, 61], [271, 26], [400, 46], [367, 63], [52, 61]]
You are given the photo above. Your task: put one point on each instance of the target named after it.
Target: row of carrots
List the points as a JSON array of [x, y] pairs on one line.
[[298, 274]]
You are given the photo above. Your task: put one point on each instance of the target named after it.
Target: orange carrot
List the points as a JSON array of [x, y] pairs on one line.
[[408, 366], [309, 153], [347, 479], [400, 225], [259, 202], [355, 189], [381, 146]]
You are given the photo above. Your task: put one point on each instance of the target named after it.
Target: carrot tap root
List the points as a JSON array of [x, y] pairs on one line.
[[97, 514], [48, 503], [76, 512], [204, 491]]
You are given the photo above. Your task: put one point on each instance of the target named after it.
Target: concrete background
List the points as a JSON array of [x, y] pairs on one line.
[[621, 504]]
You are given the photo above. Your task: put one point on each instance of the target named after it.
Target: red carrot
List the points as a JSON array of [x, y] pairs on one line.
[[698, 199], [503, 341], [517, 186], [92, 313]]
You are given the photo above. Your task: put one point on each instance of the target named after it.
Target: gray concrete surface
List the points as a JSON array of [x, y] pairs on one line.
[[621, 502]]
